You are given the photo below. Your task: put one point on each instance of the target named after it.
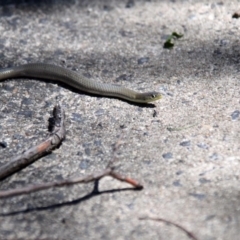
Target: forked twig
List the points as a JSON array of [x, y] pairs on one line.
[[71, 181], [27, 157], [34, 153], [189, 234]]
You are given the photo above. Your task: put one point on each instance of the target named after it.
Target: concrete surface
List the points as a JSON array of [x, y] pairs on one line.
[[185, 150]]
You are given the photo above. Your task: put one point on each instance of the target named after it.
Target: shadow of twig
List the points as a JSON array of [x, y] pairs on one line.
[[95, 192]]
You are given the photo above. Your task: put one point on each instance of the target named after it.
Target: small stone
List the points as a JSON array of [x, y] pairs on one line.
[[235, 115], [214, 156], [198, 195], [84, 164], [59, 177], [79, 153], [210, 217], [223, 42], [177, 183], [202, 145], [179, 172], [204, 180], [143, 60], [97, 142], [185, 143], [99, 112], [77, 117], [126, 33], [87, 151], [167, 155]]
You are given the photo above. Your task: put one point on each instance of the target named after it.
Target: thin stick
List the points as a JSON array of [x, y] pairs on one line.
[[35, 152], [190, 234], [71, 181], [116, 147]]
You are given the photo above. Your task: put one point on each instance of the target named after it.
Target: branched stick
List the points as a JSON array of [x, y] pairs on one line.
[[190, 234], [71, 181], [58, 134], [34, 153]]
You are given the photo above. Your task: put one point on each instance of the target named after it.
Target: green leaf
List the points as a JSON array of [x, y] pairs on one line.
[[176, 35], [168, 44]]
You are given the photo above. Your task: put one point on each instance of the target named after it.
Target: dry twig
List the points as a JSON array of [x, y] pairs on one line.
[[71, 181], [190, 234], [27, 157], [34, 153]]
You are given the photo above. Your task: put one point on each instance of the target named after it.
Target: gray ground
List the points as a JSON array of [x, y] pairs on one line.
[[185, 150]]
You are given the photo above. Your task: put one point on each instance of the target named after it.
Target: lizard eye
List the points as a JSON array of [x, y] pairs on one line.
[[153, 96]]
